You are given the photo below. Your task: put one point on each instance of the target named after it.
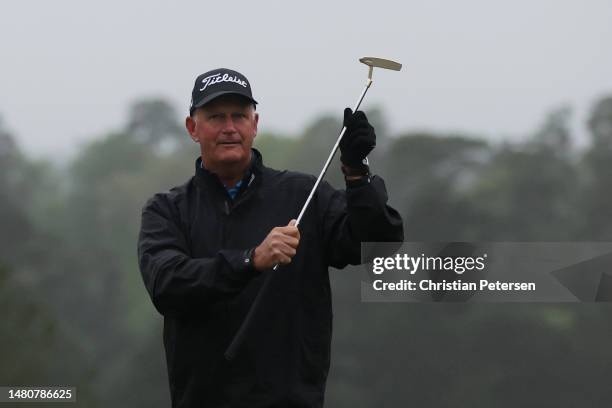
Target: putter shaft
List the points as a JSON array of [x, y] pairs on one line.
[[331, 155], [328, 161]]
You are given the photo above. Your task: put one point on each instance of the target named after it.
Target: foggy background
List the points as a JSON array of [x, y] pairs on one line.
[[498, 128], [71, 68]]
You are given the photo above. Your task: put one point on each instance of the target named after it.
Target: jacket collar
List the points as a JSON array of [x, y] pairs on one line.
[[205, 178]]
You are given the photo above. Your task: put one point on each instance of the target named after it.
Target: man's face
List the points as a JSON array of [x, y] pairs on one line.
[[225, 129]]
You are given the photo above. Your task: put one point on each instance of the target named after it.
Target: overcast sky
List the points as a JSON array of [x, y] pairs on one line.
[[70, 68]]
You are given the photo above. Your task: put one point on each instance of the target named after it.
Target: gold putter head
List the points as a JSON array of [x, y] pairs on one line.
[[374, 62]]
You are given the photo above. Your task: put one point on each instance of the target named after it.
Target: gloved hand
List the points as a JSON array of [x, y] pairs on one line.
[[358, 140]]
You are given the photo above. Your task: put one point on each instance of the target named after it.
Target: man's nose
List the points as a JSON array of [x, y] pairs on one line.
[[229, 125]]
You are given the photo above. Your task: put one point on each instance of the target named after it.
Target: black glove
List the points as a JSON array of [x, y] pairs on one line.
[[358, 140]]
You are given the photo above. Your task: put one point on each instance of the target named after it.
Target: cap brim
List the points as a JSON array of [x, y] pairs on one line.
[[209, 98]]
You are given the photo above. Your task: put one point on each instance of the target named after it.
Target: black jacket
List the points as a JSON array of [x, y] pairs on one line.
[[191, 252]]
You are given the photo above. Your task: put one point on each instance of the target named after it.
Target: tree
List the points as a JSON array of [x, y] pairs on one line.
[[154, 121], [600, 123], [554, 134], [596, 200]]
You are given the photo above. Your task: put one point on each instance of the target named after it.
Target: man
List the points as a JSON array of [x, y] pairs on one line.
[[206, 247]]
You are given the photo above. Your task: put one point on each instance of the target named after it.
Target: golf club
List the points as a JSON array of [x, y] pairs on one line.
[[371, 62]]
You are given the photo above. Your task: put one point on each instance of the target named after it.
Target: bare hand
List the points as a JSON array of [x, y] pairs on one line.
[[279, 247]]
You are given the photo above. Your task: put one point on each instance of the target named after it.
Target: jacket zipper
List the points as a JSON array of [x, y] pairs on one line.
[[227, 207], [246, 193]]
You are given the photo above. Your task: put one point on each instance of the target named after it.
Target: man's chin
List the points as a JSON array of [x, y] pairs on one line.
[[233, 157]]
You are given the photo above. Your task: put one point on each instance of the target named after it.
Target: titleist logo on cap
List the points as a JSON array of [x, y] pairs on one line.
[[216, 83], [216, 78]]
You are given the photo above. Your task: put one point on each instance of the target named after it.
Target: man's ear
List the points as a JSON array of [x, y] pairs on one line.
[[256, 122], [190, 126]]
